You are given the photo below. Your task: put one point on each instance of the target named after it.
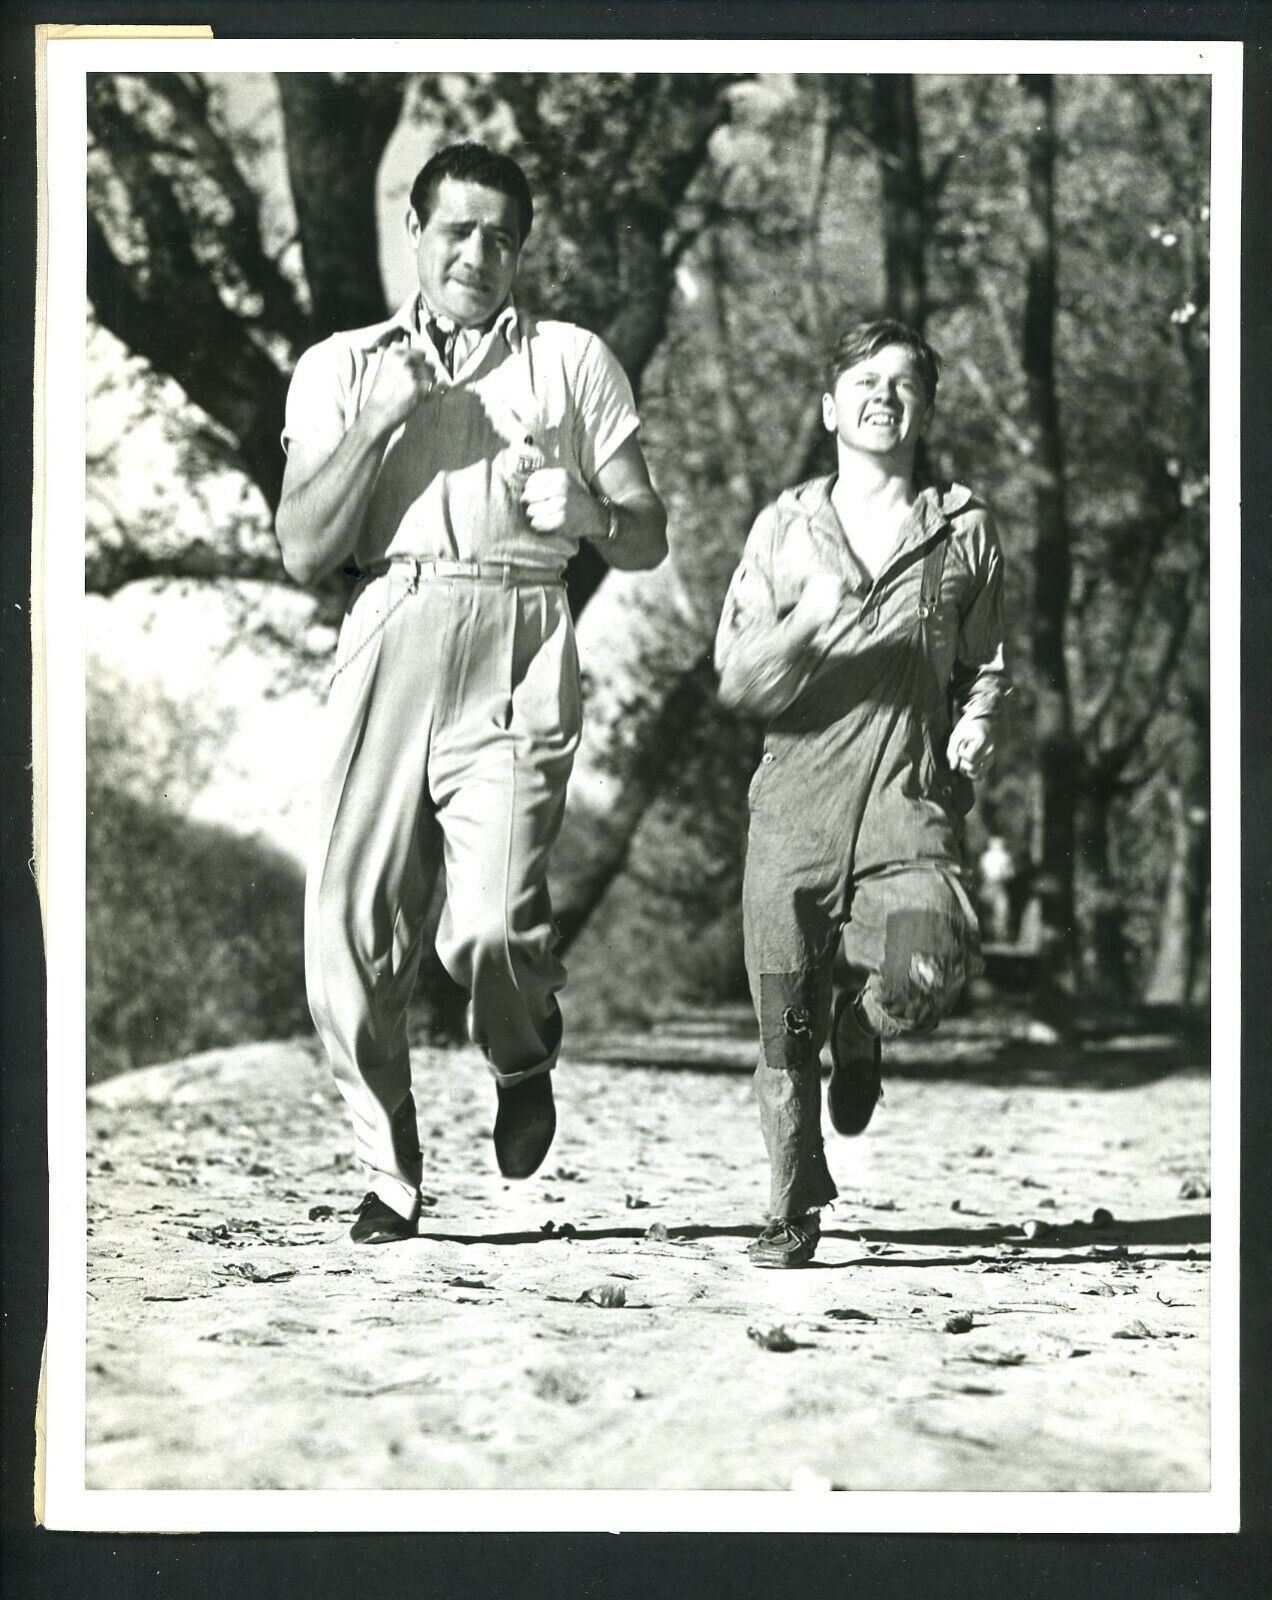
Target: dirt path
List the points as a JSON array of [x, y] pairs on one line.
[[238, 1341]]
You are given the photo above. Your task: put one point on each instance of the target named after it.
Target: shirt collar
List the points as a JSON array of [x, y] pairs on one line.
[[417, 311], [405, 320]]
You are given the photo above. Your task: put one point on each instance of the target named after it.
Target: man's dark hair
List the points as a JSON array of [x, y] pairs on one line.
[[866, 339], [473, 163]]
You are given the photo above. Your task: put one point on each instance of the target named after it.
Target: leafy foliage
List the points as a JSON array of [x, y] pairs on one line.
[[717, 230]]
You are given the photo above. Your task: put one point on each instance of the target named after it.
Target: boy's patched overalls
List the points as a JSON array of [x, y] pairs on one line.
[[856, 817]]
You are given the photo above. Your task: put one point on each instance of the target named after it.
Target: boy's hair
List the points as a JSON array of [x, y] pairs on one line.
[[866, 339], [473, 163]]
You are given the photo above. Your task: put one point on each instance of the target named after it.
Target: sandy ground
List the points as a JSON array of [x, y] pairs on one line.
[[237, 1340]]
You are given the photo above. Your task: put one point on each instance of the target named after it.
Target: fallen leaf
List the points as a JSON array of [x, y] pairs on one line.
[[996, 1358], [1134, 1330], [609, 1295], [253, 1274], [776, 1339]]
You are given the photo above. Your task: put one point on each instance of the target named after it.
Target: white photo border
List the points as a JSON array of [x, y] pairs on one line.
[[58, 570]]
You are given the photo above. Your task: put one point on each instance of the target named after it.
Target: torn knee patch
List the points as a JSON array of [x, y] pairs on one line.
[[788, 1019], [923, 969]]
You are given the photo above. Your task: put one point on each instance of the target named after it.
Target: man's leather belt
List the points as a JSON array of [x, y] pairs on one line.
[[422, 570]]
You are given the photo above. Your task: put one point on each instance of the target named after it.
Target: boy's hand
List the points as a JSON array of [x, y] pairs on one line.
[[818, 607], [971, 747], [404, 379], [553, 499]]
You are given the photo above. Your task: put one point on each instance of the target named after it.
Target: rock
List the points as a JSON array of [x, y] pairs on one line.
[[960, 1322]]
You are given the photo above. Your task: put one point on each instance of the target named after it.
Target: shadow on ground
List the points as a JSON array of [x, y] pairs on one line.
[[1118, 1050], [1163, 1232]]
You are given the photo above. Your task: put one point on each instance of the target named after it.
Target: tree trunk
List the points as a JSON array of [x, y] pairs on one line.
[[335, 130], [1104, 967], [1056, 783], [1181, 926], [903, 196]]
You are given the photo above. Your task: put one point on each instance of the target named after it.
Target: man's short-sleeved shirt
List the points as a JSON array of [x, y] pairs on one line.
[[450, 480]]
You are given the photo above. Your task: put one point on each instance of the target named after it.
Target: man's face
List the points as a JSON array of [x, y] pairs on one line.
[[466, 253], [878, 406]]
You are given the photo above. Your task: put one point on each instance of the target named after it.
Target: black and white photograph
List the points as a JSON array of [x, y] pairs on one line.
[[641, 791]]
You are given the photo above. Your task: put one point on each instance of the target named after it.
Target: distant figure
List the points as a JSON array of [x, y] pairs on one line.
[[453, 456], [857, 598], [998, 876]]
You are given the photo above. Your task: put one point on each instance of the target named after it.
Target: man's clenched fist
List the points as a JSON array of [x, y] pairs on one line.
[[404, 379], [553, 499]]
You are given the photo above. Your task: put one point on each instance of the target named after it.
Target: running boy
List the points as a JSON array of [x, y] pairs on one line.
[[864, 620]]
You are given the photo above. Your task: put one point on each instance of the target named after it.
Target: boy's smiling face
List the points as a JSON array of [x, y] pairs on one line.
[[879, 406]]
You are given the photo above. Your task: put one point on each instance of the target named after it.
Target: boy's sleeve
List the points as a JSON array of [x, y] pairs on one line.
[[980, 673], [760, 674]]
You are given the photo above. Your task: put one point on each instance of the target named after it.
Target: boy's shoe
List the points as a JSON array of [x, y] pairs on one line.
[[377, 1223], [786, 1242], [856, 1074]]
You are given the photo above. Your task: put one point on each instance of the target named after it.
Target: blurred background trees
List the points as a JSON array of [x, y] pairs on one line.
[[1049, 236]]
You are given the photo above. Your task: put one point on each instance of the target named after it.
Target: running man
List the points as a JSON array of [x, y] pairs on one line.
[[453, 456]]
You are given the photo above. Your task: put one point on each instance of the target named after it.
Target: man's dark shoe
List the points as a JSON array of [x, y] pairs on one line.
[[524, 1125], [786, 1242], [377, 1223], [856, 1074]]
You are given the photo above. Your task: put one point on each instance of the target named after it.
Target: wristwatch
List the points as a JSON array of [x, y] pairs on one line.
[[611, 512]]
